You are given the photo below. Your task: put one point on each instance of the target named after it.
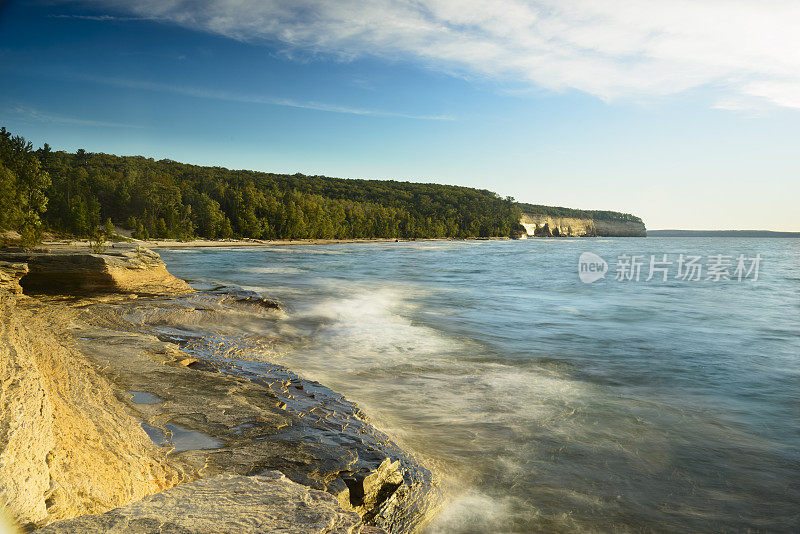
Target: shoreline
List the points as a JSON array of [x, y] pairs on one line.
[[214, 414], [200, 243], [80, 244]]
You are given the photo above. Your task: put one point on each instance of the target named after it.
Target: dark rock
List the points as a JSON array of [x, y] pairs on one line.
[[267, 417], [237, 295], [242, 297]]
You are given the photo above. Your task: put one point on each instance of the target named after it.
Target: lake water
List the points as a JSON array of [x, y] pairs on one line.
[[546, 403]]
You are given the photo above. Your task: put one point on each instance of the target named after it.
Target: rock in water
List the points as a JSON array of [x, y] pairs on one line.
[[243, 296], [268, 502]]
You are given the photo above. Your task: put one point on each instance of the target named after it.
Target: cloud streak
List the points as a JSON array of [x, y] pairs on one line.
[[98, 18], [745, 50], [40, 116], [198, 92]]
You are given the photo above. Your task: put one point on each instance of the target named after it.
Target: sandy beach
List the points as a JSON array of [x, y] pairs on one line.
[[209, 243]]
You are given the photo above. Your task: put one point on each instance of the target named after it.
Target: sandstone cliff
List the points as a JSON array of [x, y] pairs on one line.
[[10, 275], [551, 226], [67, 446]]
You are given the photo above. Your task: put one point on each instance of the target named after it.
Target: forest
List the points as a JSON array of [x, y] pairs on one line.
[[79, 193], [596, 215]]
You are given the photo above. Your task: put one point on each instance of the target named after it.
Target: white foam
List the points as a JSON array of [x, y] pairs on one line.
[[471, 512], [373, 325]]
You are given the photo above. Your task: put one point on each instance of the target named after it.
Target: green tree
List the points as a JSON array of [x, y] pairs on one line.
[[25, 198], [208, 217], [170, 199]]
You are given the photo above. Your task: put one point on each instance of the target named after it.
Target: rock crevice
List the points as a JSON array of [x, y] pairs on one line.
[[10, 275]]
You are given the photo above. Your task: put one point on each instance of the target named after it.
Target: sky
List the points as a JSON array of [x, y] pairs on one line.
[[683, 112]]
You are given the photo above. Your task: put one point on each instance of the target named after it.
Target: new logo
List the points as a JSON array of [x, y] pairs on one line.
[[591, 267]]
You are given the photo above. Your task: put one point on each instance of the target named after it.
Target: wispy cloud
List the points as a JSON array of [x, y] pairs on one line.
[[41, 116], [98, 18], [198, 92], [745, 50]]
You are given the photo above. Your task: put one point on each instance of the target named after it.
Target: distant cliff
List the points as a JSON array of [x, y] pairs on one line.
[[553, 221]]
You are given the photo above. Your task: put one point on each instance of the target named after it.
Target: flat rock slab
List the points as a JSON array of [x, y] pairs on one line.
[[74, 272], [268, 502]]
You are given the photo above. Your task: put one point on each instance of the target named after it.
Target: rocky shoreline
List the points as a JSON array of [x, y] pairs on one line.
[[129, 406]]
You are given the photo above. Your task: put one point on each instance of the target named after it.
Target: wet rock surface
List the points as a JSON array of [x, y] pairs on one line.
[[268, 502], [261, 416], [362, 466]]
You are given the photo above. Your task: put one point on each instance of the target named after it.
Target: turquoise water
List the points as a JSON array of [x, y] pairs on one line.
[[548, 404]]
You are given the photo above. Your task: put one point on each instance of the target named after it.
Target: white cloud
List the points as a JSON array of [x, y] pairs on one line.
[[747, 50]]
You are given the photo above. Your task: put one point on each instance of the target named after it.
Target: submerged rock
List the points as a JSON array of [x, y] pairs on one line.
[[247, 297], [268, 502], [70, 272], [256, 300]]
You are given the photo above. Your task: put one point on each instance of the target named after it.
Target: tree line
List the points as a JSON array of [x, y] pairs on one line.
[[595, 215], [76, 193]]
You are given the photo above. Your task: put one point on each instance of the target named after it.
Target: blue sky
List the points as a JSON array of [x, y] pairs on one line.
[[684, 113]]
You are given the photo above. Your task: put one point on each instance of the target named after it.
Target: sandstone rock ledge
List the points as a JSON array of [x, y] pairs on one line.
[[223, 504], [68, 446], [81, 452], [139, 271]]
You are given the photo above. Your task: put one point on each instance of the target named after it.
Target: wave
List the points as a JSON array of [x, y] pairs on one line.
[[373, 323], [471, 512], [273, 270]]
